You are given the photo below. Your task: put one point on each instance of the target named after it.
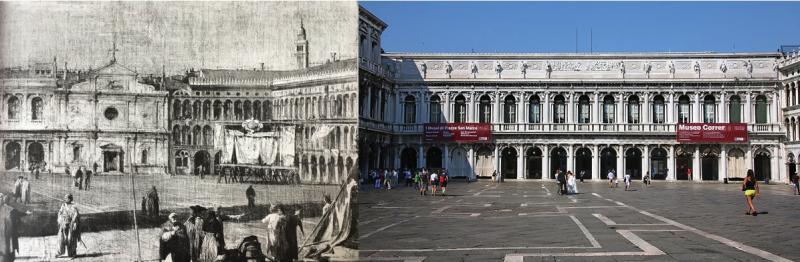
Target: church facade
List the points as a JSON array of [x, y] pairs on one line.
[[55, 118], [528, 115]]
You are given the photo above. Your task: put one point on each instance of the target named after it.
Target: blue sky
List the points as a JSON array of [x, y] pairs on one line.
[[615, 26]]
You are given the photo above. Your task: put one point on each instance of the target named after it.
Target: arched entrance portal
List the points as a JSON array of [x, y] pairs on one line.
[[608, 162], [534, 163], [12, 151], [434, 158], [583, 163], [484, 162], [736, 164], [633, 163], [791, 165], [113, 158], [709, 163], [509, 160], [35, 154], [201, 158], [408, 158], [658, 164], [683, 163], [459, 164], [558, 161], [761, 165]]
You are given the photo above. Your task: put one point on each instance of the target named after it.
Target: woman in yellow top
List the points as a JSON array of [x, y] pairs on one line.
[[750, 188]]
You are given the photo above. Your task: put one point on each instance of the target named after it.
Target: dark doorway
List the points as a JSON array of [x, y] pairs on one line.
[[558, 161], [534, 163], [633, 163], [761, 165], [658, 164], [509, 163], [608, 162], [710, 164], [12, 152], [583, 163], [683, 164], [35, 154], [434, 158], [201, 159], [408, 158]]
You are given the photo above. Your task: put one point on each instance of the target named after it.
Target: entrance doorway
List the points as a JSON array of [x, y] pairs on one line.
[[709, 163], [583, 163], [201, 159], [35, 154], [408, 158], [534, 163], [12, 152], [658, 164], [761, 165], [608, 162], [459, 164], [791, 165], [113, 158], [736, 164], [509, 163], [434, 158], [633, 163], [683, 163], [558, 161]]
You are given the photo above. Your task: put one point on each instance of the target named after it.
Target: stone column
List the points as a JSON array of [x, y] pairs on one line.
[[497, 160], [723, 163], [670, 109], [595, 163], [397, 151], [721, 116], [546, 108], [446, 108], [596, 109], [645, 115], [546, 163], [520, 163], [646, 161], [421, 157], [471, 157], [696, 164], [446, 162], [773, 110], [620, 117], [570, 110], [496, 109], [671, 163], [621, 161], [471, 109], [747, 108], [570, 159], [520, 111], [696, 111], [398, 105]]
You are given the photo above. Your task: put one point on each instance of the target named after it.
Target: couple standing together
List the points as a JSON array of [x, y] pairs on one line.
[[566, 183]]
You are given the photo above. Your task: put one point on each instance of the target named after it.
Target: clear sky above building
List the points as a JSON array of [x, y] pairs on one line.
[[614, 27], [180, 35]]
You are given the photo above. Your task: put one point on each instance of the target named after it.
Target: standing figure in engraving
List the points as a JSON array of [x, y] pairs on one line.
[[69, 232]]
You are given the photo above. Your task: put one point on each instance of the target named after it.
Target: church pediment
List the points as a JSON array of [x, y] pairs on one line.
[[115, 69]]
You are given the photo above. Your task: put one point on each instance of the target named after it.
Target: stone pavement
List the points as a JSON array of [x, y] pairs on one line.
[[106, 212], [529, 221]]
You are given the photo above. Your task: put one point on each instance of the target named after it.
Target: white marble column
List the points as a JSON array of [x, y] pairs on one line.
[[645, 115], [596, 109], [398, 109], [570, 159], [646, 161], [446, 162], [471, 157], [496, 115], [546, 108], [619, 112], [497, 160], [421, 157], [595, 163], [747, 108], [723, 163], [446, 108], [620, 165], [570, 110], [671, 163], [546, 163], [696, 111], [520, 163], [722, 117], [670, 111], [696, 176]]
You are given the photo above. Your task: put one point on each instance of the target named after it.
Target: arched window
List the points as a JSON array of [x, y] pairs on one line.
[[559, 110], [176, 135], [633, 110], [709, 109], [144, 156], [761, 109], [735, 110], [510, 110], [460, 110], [13, 107], [217, 110], [485, 109], [684, 110], [436, 110], [181, 159], [410, 109], [584, 110], [659, 110], [534, 110], [36, 108], [608, 109], [176, 109]]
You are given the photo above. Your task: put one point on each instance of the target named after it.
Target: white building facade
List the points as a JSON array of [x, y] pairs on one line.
[[789, 74], [587, 113]]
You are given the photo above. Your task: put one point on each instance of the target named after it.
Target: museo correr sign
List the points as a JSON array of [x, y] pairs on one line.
[[712, 133]]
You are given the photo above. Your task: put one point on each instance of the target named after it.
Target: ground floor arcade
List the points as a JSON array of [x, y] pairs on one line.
[[516, 160]]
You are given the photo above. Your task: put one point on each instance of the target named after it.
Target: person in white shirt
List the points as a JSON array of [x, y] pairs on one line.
[[627, 181], [610, 179], [434, 183]]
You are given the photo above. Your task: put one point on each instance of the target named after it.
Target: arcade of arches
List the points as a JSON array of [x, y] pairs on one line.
[[594, 161]]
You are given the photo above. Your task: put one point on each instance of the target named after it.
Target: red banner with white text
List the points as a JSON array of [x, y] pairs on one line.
[[711, 133], [458, 132]]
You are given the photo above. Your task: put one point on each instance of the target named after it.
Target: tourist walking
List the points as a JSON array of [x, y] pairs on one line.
[[610, 177], [426, 180], [69, 232], [562, 182], [174, 240], [627, 180], [443, 178], [87, 180], [434, 182], [646, 178], [796, 184], [388, 178], [407, 176], [751, 191], [250, 193], [494, 176], [572, 187], [582, 175]]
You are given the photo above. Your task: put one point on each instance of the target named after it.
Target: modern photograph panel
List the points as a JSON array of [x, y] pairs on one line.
[[178, 131]]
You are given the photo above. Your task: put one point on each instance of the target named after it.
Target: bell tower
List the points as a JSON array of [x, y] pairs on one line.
[[301, 47]]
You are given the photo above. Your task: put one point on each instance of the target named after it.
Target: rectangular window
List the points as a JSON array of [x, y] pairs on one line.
[[534, 116], [658, 114], [435, 116], [511, 114], [735, 113], [583, 116], [608, 117], [709, 116], [409, 113], [761, 113], [460, 113], [633, 113], [684, 113], [559, 116]]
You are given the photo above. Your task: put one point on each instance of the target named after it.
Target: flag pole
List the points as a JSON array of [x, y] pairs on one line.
[[135, 223]]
